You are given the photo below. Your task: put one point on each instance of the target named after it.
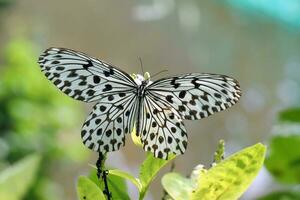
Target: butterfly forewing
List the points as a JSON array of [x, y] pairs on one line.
[[88, 79], [196, 96], [81, 77]]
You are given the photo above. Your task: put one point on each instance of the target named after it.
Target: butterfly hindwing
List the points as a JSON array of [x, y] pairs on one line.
[[162, 129], [195, 95], [111, 119]]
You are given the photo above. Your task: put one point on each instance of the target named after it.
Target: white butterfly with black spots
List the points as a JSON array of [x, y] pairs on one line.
[[157, 109]]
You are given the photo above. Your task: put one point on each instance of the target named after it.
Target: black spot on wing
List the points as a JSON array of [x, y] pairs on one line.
[[87, 65]]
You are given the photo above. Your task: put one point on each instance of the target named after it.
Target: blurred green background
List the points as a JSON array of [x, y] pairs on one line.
[[257, 42]]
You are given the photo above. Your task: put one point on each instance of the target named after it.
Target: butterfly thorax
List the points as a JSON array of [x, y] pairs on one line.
[[142, 82]]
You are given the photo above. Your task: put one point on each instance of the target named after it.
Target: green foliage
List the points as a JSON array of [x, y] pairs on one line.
[[116, 184], [88, 190], [290, 115], [177, 186], [127, 176], [227, 179], [4, 3], [231, 177], [224, 181], [282, 195], [32, 113], [17, 179], [31, 108], [149, 169], [284, 158], [23, 80]]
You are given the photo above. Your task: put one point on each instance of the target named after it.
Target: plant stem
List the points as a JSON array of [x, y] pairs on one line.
[[106, 190], [102, 174]]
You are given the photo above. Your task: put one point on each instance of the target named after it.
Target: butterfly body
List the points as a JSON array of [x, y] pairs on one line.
[[142, 83], [157, 108]]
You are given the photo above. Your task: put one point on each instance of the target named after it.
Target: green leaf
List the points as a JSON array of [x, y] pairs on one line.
[[282, 195], [88, 190], [177, 186], [17, 179], [127, 176], [231, 177], [116, 184], [290, 115], [149, 170], [283, 160]]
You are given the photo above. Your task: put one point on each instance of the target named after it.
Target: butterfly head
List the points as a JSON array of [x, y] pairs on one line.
[[142, 80]]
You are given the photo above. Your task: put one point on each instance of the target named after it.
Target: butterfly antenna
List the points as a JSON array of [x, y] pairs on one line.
[[162, 71], [141, 62]]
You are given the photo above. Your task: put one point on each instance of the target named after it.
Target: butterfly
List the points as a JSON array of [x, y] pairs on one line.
[[155, 108]]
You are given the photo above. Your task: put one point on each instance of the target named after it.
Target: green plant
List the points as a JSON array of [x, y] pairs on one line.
[[226, 179], [15, 180], [283, 160], [31, 113]]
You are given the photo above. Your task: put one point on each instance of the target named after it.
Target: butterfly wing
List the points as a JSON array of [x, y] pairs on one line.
[[190, 96], [196, 95], [82, 77], [114, 116], [89, 79], [162, 130]]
